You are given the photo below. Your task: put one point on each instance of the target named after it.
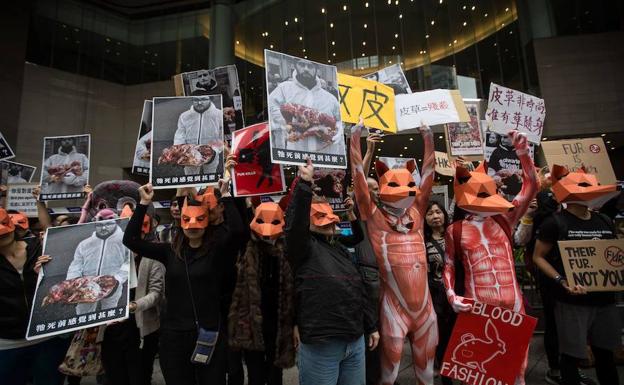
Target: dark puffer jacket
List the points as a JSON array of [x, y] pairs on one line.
[[330, 299]]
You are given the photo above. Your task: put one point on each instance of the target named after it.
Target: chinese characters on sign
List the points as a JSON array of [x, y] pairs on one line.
[[371, 100], [429, 107], [20, 198], [509, 109]]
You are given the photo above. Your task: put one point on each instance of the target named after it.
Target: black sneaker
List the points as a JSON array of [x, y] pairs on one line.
[[552, 378], [585, 380]]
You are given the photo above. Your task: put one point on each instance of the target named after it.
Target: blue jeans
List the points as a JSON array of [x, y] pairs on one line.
[[336, 362], [38, 362]]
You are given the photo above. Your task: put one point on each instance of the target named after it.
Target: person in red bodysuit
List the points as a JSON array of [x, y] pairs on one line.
[[485, 236], [395, 230]]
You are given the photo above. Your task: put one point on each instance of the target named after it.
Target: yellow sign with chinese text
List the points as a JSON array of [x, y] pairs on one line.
[[371, 100]]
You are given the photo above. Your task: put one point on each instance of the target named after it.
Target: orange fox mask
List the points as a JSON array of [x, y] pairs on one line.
[[20, 220], [397, 187], [268, 223], [194, 214], [580, 187], [6, 224], [475, 192], [321, 214], [127, 213]]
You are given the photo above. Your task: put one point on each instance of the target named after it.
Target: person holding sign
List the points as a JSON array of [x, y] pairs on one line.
[[580, 316], [483, 241]]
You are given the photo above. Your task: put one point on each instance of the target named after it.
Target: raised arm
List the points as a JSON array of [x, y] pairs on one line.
[[428, 171], [362, 195], [371, 143], [42, 210], [529, 179], [297, 228], [449, 272]]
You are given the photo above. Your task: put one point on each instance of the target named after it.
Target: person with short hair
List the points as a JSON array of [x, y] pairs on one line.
[[67, 157]]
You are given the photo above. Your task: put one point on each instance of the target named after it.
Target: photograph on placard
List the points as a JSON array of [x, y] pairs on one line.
[[143, 149], [466, 138], [394, 163], [65, 166], [219, 81], [13, 172], [331, 184], [254, 173], [304, 112], [187, 141], [393, 77], [86, 283], [5, 150]]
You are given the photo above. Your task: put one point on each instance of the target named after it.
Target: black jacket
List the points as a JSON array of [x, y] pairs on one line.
[[209, 270], [330, 299], [16, 293]]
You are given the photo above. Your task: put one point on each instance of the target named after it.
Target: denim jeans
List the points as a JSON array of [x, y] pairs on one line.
[[38, 362], [335, 362]]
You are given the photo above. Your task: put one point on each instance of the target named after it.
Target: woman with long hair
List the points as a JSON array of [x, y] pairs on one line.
[[436, 221], [197, 262]]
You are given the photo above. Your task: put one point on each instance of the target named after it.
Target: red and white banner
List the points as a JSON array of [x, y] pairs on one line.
[[254, 173], [488, 345]]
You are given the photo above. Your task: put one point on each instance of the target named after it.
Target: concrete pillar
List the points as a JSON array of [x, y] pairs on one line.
[[221, 33]]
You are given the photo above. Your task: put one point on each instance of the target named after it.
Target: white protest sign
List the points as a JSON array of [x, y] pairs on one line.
[[509, 109], [429, 107], [20, 198]]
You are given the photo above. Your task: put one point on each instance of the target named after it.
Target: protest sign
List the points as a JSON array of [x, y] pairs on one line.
[[5, 150], [465, 138], [218, 81], [393, 163], [429, 107], [440, 194], [65, 166], [590, 153], [488, 345], [304, 112], [509, 109], [331, 184], [254, 174], [443, 165], [187, 141], [371, 100], [393, 77], [143, 148], [87, 282], [598, 265], [13, 172], [20, 198]]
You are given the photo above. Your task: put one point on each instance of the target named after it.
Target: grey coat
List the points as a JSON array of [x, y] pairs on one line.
[[150, 292]]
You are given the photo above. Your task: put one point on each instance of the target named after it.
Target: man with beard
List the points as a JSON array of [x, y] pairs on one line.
[[76, 164], [205, 84], [103, 253], [201, 124], [305, 88]]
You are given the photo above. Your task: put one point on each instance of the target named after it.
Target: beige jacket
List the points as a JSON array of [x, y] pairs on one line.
[[150, 292]]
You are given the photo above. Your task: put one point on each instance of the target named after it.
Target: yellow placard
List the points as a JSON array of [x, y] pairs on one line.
[[371, 100]]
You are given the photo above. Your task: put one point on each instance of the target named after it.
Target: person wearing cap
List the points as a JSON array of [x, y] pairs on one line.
[[332, 316]]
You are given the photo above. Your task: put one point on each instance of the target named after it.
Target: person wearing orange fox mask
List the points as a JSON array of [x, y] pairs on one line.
[[330, 298], [580, 316], [394, 220], [261, 317], [483, 241]]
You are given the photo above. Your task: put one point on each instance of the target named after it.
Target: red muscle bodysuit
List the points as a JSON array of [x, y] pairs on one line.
[[396, 235], [486, 251]]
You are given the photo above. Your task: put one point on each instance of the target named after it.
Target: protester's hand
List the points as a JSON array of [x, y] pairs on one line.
[[43, 259], [224, 187], [36, 192], [348, 203], [296, 338], [424, 128], [574, 290], [372, 139], [307, 172], [230, 161], [56, 178], [146, 192], [87, 189], [519, 140], [373, 341], [532, 208], [132, 306], [458, 305], [357, 129], [3, 188], [504, 173]]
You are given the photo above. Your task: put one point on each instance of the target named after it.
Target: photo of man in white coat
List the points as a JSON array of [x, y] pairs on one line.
[[76, 164]]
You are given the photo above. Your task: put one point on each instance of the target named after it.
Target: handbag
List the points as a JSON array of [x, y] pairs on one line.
[[206, 339], [84, 355]]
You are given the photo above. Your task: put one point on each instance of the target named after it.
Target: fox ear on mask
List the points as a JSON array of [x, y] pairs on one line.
[[411, 165], [381, 168], [559, 172], [482, 167], [461, 174]]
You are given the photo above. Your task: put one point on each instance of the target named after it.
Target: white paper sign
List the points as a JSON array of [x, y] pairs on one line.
[[20, 198], [509, 109], [429, 107]]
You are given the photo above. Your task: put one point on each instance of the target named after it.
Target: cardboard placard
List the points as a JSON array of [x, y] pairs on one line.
[[371, 100], [429, 107], [254, 173], [443, 165], [509, 109], [20, 198], [598, 265], [590, 153], [488, 345]]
